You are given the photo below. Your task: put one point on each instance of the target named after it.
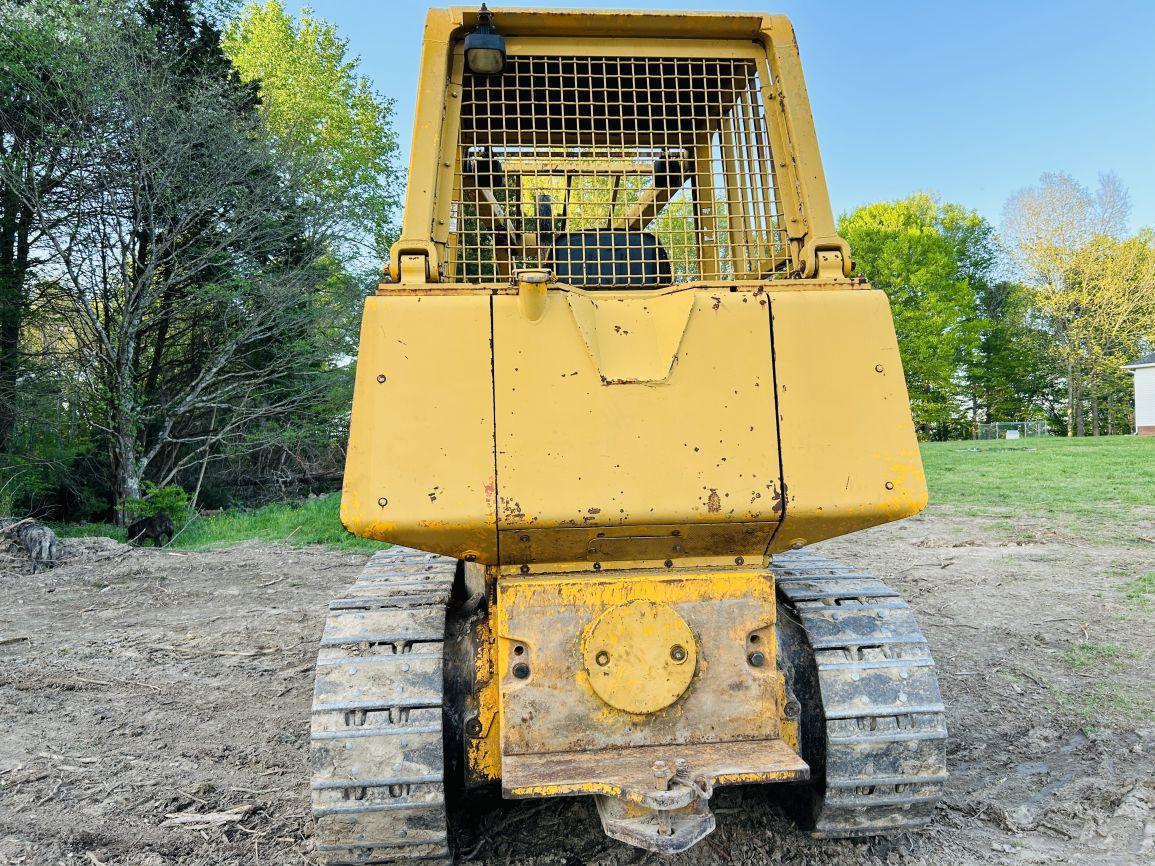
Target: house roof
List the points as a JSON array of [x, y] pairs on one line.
[[1145, 361]]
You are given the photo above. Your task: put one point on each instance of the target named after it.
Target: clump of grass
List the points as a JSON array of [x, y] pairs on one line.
[[1106, 700], [1084, 655], [1140, 592], [310, 521]]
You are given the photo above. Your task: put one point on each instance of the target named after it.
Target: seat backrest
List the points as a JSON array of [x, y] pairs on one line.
[[609, 259]]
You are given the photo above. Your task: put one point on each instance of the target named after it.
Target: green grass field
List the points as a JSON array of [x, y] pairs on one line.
[[1109, 477], [1092, 477], [311, 521]]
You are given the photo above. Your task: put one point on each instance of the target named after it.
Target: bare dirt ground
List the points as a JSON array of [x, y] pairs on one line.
[[154, 708]]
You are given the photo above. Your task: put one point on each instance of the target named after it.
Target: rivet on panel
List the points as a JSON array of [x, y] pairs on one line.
[[890, 485], [382, 501], [381, 377]]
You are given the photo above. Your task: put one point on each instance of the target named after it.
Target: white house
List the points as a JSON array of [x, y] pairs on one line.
[[1144, 371]]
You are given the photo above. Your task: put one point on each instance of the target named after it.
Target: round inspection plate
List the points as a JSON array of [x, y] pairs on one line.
[[640, 656]]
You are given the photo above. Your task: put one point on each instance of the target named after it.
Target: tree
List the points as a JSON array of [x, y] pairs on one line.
[[27, 151], [929, 258], [172, 218], [326, 120], [1093, 290], [1010, 376]]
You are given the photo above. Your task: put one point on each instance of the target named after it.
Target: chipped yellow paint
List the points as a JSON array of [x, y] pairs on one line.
[[483, 753], [551, 624], [529, 791], [850, 458], [632, 340], [577, 452], [639, 656], [419, 469]]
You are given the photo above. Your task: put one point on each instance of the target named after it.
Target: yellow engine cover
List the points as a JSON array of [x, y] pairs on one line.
[[641, 427]]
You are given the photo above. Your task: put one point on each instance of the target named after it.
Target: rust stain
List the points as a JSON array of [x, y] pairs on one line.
[[779, 499]]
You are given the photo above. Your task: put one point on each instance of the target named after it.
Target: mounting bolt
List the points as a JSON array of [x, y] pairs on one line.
[[878, 368], [756, 659], [792, 710], [602, 658], [738, 560], [381, 377], [382, 501], [525, 569], [473, 727], [890, 485], [678, 653], [597, 566], [669, 563], [523, 537], [521, 670]]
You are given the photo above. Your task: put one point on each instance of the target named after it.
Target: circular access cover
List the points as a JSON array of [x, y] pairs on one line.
[[640, 656]]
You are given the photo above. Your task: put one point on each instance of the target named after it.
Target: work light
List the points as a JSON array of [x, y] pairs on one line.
[[484, 47]]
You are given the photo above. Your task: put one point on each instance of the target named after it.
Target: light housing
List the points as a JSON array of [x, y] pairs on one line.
[[484, 46]]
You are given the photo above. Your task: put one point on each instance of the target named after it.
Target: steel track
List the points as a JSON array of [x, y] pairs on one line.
[[881, 739], [378, 785]]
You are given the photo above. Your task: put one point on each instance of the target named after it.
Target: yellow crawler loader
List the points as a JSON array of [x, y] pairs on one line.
[[619, 378]]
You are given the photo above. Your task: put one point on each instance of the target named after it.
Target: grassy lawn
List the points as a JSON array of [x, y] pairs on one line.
[[1102, 478], [311, 521]]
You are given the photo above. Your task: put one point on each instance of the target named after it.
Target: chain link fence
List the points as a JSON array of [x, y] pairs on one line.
[[1012, 430]]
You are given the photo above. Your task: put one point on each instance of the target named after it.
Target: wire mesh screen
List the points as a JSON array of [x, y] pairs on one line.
[[616, 172], [1012, 429]]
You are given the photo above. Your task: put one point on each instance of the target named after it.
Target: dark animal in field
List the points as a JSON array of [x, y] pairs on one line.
[[37, 540], [158, 529]]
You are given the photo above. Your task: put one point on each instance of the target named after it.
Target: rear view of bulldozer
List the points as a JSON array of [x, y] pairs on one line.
[[619, 380]]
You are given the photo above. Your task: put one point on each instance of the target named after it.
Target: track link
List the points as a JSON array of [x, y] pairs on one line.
[[883, 749], [378, 786]]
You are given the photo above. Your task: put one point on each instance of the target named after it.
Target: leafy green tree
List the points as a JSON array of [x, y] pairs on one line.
[[1011, 376], [929, 258], [1092, 287], [327, 120], [196, 311]]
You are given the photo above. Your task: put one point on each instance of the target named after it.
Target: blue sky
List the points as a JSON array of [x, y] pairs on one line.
[[972, 100]]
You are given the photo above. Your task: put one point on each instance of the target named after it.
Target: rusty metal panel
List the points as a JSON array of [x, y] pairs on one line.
[[547, 701], [420, 465], [850, 458], [577, 448]]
